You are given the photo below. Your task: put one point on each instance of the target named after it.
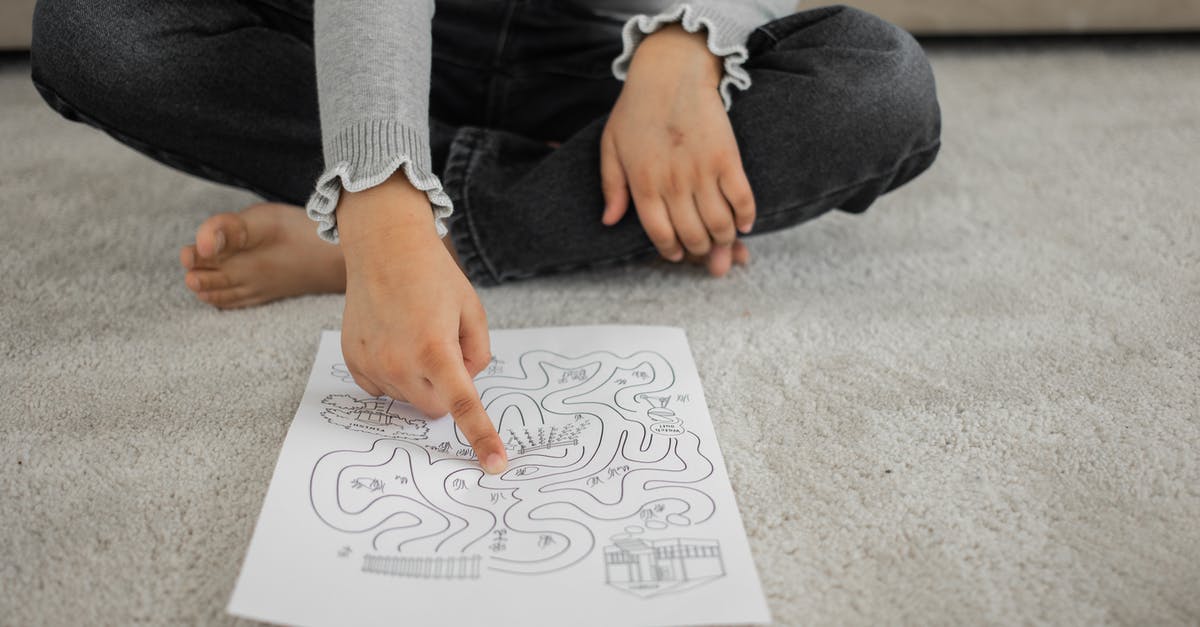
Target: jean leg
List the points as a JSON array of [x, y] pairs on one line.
[[842, 109], [221, 89], [557, 70]]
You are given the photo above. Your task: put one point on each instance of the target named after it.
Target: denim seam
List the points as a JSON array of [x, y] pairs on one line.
[[477, 149], [288, 10], [603, 263], [768, 33], [859, 183], [477, 250], [602, 71], [591, 264], [146, 147], [457, 222], [459, 170]]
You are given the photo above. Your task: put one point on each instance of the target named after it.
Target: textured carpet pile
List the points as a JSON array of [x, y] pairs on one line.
[[975, 403]]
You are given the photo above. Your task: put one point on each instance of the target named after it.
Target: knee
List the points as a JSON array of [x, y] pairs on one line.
[[840, 63], [895, 83], [848, 86], [62, 30], [80, 52]]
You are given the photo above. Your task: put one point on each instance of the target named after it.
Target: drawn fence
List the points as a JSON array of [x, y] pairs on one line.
[[457, 567]]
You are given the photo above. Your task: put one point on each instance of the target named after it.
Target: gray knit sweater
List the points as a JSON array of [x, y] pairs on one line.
[[373, 63]]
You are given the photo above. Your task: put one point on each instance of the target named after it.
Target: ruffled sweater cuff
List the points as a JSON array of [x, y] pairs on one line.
[[726, 39], [366, 154]]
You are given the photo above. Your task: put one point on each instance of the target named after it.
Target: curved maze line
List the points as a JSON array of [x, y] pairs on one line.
[[606, 442]]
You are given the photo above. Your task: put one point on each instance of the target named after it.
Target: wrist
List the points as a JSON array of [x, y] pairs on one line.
[[379, 224], [392, 206], [674, 51]]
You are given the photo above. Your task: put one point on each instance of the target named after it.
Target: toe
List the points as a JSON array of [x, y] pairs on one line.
[[221, 236], [192, 260], [187, 257], [719, 260], [207, 280], [231, 298]]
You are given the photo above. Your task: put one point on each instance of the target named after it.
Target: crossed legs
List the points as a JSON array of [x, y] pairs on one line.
[[843, 109]]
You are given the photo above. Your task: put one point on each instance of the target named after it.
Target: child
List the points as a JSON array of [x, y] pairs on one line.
[[493, 140]]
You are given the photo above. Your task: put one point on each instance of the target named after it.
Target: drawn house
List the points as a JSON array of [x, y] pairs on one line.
[[652, 567]]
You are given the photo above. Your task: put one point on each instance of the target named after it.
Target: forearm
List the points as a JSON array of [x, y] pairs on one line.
[[378, 222], [373, 61]]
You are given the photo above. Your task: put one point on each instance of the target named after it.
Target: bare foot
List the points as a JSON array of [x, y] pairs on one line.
[[722, 258], [262, 253]]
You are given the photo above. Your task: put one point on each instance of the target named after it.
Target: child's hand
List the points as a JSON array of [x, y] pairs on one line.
[[414, 328], [670, 144]]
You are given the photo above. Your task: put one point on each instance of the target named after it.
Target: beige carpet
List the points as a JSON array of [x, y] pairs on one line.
[[978, 403]]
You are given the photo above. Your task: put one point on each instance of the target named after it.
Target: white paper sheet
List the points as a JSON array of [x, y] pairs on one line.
[[616, 507]]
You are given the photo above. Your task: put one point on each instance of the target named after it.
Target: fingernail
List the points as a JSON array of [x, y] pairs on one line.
[[220, 241], [677, 257], [746, 229], [495, 464]]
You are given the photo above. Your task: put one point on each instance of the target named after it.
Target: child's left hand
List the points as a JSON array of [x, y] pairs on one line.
[[670, 145]]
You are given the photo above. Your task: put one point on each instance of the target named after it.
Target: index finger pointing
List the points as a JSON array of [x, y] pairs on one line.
[[454, 386]]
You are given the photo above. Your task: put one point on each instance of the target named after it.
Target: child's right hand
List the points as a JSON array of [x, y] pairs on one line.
[[414, 328]]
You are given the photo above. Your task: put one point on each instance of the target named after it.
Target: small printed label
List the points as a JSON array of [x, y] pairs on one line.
[[662, 428]]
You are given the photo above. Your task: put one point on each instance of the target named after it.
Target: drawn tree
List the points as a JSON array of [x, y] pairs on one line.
[[344, 402]]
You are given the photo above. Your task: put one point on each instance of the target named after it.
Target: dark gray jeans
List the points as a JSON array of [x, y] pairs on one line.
[[842, 110]]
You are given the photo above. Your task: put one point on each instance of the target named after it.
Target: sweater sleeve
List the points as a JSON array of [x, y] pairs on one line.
[[727, 23], [373, 61]]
